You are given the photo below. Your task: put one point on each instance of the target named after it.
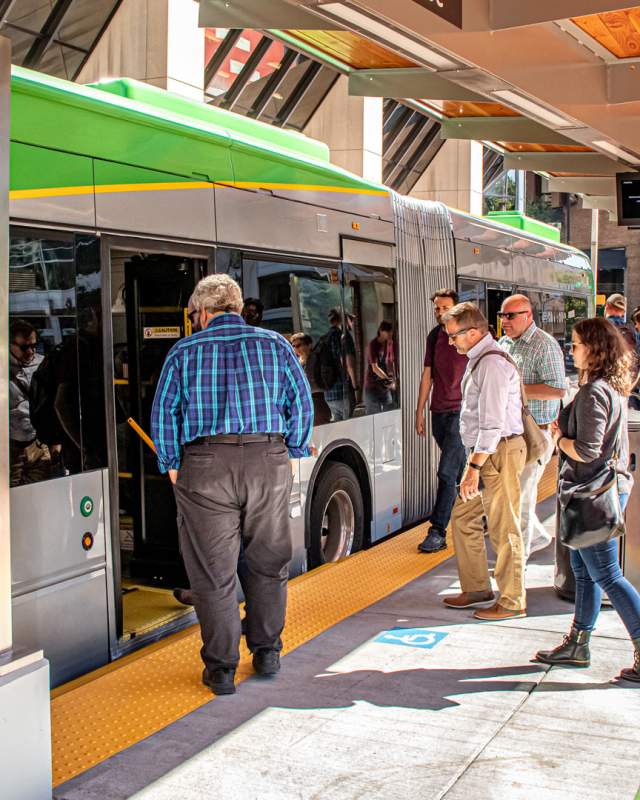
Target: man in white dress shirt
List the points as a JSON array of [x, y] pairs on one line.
[[491, 430]]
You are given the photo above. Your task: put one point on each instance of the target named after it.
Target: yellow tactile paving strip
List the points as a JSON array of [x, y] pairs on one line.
[[111, 709], [108, 710]]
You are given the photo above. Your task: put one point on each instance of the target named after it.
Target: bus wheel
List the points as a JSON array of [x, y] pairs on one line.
[[337, 515]]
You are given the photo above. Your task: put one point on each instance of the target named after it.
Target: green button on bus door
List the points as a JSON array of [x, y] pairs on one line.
[[86, 506]]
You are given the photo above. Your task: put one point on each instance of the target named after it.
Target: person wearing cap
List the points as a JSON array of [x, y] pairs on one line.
[[615, 309], [231, 407]]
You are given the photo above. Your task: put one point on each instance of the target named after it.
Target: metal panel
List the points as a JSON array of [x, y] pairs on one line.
[[387, 512], [258, 219], [5, 539], [47, 529], [370, 254], [25, 733], [425, 261], [54, 204], [180, 211], [483, 261], [68, 621]]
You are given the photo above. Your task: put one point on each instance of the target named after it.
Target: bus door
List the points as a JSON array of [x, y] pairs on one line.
[[149, 317], [495, 297]]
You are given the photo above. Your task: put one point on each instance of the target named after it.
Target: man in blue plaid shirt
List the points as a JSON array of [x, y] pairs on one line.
[[231, 407], [541, 364]]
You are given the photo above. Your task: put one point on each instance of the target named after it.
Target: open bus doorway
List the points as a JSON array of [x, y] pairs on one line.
[[149, 293], [495, 299]]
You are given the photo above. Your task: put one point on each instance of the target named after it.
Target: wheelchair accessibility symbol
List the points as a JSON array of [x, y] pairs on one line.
[[411, 637]]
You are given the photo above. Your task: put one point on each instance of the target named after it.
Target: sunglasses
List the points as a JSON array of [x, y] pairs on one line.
[[510, 314], [455, 335], [25, 347]]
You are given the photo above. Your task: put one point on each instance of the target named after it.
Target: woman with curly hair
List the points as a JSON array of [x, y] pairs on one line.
[[587, 435]]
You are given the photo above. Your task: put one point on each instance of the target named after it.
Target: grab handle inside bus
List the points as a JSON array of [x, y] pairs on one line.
[[145, 437]]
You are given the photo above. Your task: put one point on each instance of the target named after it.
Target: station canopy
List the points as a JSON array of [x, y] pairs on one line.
[[552, 86]]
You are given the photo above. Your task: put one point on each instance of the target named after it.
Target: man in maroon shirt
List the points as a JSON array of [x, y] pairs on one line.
[[441, 378]]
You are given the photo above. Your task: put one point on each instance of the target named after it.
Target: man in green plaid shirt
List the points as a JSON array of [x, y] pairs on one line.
[[541, 364]]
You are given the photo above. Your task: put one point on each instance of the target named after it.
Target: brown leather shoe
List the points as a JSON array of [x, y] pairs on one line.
[[470, 600], [498, 612]]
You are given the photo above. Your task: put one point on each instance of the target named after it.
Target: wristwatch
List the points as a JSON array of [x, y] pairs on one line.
[[475, 466]]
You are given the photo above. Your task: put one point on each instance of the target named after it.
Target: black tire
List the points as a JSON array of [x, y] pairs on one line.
[[337, 515]]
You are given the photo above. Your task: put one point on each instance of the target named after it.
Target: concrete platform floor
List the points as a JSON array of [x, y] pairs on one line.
[[454, 710]]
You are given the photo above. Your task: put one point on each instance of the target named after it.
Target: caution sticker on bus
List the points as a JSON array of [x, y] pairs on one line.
[[166, 332]]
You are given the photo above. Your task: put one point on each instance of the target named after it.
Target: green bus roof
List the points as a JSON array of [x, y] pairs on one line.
[[123, 121], [516, 219]]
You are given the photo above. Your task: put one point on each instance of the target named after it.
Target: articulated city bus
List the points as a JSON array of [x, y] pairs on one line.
[[122, 197]]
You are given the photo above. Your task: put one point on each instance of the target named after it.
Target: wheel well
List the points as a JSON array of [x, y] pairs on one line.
[[347, 454]]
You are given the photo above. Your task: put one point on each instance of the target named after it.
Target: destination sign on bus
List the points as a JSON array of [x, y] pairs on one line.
[[451, 10]]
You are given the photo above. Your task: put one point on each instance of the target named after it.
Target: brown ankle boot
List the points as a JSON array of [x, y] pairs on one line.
[[633, 673]]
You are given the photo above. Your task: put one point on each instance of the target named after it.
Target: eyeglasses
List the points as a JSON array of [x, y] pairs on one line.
[[455, 335], [510, 314]]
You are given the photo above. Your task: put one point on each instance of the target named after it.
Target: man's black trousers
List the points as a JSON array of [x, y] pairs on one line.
[[226, 493]]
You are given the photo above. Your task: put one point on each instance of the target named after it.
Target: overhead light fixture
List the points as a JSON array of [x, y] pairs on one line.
[[386, 35], [616, 151], [534, 109]]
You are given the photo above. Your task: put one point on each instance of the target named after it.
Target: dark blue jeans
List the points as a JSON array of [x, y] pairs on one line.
[[445, 426], [597, 569]]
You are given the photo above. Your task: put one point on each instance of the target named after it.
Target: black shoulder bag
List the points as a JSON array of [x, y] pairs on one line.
[[590, 512]]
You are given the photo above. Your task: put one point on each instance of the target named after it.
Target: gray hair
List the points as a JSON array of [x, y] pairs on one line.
[[467, 315], [217, 293]]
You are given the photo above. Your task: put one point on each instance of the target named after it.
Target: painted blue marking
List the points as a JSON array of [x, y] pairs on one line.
[[412, 637]]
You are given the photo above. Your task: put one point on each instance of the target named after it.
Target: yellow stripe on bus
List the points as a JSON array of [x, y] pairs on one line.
[[115, 188]]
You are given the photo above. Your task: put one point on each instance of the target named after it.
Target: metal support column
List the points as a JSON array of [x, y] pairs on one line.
[[521, 191], [25, 727], [595, 243]]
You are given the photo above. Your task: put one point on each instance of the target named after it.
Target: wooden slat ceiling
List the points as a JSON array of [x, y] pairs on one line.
[[360, 53], [451, 108], [529, 147], [353, 50], [618, 31]]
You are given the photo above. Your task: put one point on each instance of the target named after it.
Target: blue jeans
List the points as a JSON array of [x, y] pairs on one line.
[[445, 426], [597, 569]]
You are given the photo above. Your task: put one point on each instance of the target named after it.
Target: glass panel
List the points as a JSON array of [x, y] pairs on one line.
[[287, 86], [304, 304], [312, 99], [235, 61], [30, 14], [20, 43], [472, 292], [370, 352], [90, 353], [44, 409], [269, 62], [576, 309], [83, 21]]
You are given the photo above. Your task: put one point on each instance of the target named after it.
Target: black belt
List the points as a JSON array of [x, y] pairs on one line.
[[239, 439]]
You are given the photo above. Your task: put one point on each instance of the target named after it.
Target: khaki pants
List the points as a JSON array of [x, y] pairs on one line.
[[500, 501]]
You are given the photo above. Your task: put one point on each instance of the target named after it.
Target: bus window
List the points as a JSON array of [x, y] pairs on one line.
[[576, 309], [472, 292], [44, 420], [304, 303], [369, 343]]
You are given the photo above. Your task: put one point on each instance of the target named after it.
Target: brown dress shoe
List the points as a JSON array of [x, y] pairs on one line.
[[498, 612], [470, 599]]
